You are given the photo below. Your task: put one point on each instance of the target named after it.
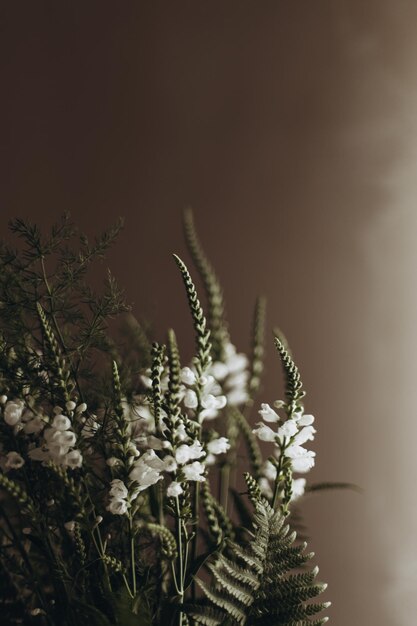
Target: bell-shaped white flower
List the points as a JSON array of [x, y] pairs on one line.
[[188, 377], [287, 430], [185, 453], [61, 422], [13, 412], [218, 446], [194, 471], [118, 489], [305, 434], [14, 460], [298, 488], [118, 506], [304, 420], [73, 459], [174, 489], [268, 414], [190, 399], [264, 432]]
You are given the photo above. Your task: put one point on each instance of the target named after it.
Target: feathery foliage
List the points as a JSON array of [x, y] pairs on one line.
[[254, 584]]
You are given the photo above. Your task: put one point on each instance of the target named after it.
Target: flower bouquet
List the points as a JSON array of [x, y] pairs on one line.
[[124, 498]]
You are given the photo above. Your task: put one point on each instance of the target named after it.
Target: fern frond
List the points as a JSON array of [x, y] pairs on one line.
[[216, 308], [254, 584]]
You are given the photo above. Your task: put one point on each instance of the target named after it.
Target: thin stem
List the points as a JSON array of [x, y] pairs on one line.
[[132, 555], [180, 578]]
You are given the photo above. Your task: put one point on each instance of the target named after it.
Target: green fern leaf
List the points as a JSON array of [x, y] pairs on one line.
[[255, 584]]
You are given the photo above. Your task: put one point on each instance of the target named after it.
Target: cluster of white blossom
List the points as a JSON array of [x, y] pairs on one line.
[[20, 417], [174, 455], [232, 373], [59, 439], [289, 438], [56, 440]]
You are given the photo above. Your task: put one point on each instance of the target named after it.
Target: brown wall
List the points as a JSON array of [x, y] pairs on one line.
[[290, 128]]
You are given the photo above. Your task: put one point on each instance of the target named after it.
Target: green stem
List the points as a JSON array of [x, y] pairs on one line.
[[132, 555], [180, 577]]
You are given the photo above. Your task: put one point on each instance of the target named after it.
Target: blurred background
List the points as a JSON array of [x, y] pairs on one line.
[[290, 128]]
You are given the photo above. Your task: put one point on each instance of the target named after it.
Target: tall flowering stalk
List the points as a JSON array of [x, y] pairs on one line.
[[117, 465]]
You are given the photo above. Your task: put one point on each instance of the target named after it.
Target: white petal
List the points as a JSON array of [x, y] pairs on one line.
[[268, 414], [174, 490], [264, 432]]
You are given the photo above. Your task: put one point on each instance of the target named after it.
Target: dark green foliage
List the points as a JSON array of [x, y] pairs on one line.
[[256, 584], [46, 302]]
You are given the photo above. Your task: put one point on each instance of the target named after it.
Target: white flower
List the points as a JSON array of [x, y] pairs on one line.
[[3, 399], [14, 460], [61, 422], [237, 396], [117, 507], [304, 420], [144, 475], [302, 460], [34, 426], [74, 459], [268, 414], [70, 526], [118, 489], [170, 465], [298, 488], [13, 412], [113, 461], [152, 460], [187, 376], [181, 432], [81, 408], [236, 363], [219, 370], [264, 432], [265, 487], [66, 438], [210, 401], [218, 446], [174, 489], [185, 453], [305, 434], [194, 471], [70, 405], [190, 399], [287, 430], [270, 471]]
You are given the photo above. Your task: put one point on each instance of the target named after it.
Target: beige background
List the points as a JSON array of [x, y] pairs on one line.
[[290, 127]]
